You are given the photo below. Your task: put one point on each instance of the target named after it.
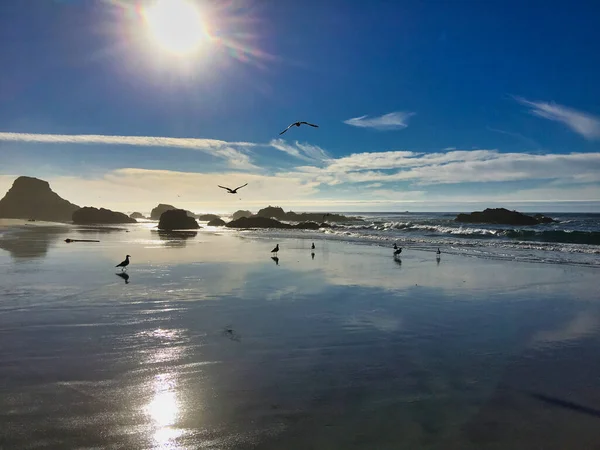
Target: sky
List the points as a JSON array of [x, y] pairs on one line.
[[428, 105]]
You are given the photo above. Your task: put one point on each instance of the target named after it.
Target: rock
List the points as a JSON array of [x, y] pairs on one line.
[[207, 217], [177, 219], [272, 211], [502, 216], [218, 222], [32, 198], [161, 208], [257, 222], [279, 214], [307, 226], [89, 216], [137, 215], [544, 219], [241, 213]]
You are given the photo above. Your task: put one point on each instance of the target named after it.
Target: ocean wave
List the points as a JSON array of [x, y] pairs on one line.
[[558, 236]]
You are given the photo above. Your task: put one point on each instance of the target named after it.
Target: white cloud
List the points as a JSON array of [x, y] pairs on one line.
[[306, 152], [392, 121], [232, 152], [580, 122]]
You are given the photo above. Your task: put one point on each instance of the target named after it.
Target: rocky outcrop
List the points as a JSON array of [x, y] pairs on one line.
[[267, 222], [161, 208], [278, 213], [218, 222], [92, 216], [177, 219], [207, 217], [136, 215], [241, 213], [32, 198], [502, 216]]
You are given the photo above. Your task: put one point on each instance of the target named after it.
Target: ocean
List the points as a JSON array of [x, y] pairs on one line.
[[573, 239]]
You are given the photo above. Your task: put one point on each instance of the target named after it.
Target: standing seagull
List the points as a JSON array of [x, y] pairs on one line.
[[232, 191], [397, 251], [438, 252], [125, 263], [297, 124], [312, 247], [275, 250]]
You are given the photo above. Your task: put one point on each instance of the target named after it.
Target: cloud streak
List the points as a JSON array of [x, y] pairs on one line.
[[393, 121], [230, 151], [306, 152], [585, 124]]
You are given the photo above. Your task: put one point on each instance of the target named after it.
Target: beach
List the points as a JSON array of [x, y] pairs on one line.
[[210, 343]]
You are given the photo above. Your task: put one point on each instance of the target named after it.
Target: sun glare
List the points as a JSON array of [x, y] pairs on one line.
[[175, 26]]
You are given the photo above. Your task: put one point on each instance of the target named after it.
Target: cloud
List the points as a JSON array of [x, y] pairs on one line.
[[232, 152], [455, 167], [306, 152], [392, 121], [580, 122]]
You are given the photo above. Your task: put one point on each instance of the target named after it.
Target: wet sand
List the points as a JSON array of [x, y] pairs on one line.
[[211, 344]]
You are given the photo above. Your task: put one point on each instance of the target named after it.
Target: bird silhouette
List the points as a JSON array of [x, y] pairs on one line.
[[232, 191], [276, 249], [125, 263], [438, 252], [312, 247], [312, 255], [397, 251], [297, 124], [395, 246], [276, 259]]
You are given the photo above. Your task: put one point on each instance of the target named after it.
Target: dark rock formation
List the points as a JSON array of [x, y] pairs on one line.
[[218, 222], [207, 217], [161, 208], [278, 213], [257, 222], [267, 222], [177, 219], [137, 215], [89, 216], [502, 216], [31, 198], [241, 213]]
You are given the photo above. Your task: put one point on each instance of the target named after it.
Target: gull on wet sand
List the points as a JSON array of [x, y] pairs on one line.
[[232, 191], [438, 252], [276, 249], [297, 124], [125, 263], [312, 247], [397, 251]]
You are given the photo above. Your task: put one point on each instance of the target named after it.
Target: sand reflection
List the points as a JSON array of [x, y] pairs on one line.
[[163, 410]]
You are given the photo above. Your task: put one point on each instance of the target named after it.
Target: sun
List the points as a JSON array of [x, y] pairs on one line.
[[175, 26]]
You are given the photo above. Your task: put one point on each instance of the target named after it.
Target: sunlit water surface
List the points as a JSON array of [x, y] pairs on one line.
[[209, 343]]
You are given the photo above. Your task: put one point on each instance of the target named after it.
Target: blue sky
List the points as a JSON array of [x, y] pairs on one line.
[[421, 105]]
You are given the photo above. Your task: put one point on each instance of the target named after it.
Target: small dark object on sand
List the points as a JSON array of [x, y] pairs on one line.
[[68, 241]]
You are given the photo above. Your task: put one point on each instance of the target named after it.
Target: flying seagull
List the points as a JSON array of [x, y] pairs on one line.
[[232, 191], [297, 124], [125, 263]]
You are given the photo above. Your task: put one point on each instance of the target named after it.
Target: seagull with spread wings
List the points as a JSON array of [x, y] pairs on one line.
[[297, 124], [232, 191]]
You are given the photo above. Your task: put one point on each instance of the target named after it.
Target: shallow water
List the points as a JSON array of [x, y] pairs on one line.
[[211, 344]]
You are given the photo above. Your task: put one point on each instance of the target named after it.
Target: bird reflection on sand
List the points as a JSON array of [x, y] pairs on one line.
[[276, 259], [123, 275]]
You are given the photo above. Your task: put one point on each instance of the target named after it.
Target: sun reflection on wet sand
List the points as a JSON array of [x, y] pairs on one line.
[[163, 410]]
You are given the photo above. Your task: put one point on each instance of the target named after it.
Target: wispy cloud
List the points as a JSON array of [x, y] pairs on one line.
[[306, 152], [233, 152], [392, 121], [580, 122]]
